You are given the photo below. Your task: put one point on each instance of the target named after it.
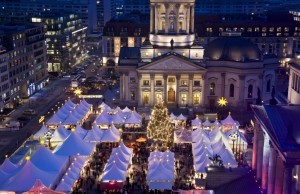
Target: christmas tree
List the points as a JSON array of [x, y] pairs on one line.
[[160, 127]]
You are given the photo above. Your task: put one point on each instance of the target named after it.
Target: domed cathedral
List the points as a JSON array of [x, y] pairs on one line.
[[171, 66]]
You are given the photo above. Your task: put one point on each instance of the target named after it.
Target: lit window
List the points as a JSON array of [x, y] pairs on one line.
[[212, 88], [196, 98], [158, 82], [146, 82], [184, 82]]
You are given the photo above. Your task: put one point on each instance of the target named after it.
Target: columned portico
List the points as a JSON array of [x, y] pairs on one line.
[[272, 169], [265, 162], [177, 89], [288, 178], [278, 187], [260, 144]]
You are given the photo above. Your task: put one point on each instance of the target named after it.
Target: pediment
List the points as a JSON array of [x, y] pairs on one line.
[[171, 63]]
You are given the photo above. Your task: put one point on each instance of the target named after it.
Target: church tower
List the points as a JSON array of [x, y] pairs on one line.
[[172, 21]]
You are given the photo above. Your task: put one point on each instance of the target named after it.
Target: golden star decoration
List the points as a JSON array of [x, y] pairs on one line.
[[222, 101], [77, 91]]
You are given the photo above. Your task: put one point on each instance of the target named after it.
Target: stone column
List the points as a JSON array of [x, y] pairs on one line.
[[156, 16], [259, 154], [288, 179], [177, 18], [126, 87], [265, 162], [190, 95], [122, 87], [192, 18], [223, 75], [177, 89], [242, 89], [139, 90], [297, 180], [255, 142], [188, 11], [167, 21], [151, 18], [151, 89], [165, 92], [278, 186], [202, 84], [272, 169]]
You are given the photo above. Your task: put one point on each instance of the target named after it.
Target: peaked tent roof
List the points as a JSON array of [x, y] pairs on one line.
[[8, 167], [181, 117], [41, 133], [40, 188], [45, 160], [114, 174], [117, 119], [196, 122], [22, 182], [103, 118], [126, 109], [173, 116], [206, 123], [133, 119], [80, 131], [60, 134], [229, 121], [73, 146]]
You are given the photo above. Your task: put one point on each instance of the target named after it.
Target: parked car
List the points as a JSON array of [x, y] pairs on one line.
[[13, 124], [29, 112]]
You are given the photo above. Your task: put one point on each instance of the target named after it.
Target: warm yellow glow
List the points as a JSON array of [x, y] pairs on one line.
[[222, 101], [42, 142], [77, 91], [27, 158]]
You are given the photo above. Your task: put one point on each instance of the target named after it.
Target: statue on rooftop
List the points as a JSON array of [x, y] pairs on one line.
[[172, 44]]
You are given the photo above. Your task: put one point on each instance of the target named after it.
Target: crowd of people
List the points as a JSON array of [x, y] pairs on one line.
[[89, 176]]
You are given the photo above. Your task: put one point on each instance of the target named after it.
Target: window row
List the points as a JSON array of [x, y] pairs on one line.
[[196, 83], [296, 82], [212, 90]]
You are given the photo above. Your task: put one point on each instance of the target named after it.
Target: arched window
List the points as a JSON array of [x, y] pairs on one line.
[[172, 27], [268, 85], [231, 90], [212, 88], [250, 91]]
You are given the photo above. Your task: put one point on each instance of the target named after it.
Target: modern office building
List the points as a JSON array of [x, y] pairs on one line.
[[4, 81], [141, 6], [65, 39], [26, 58], [94, 13]]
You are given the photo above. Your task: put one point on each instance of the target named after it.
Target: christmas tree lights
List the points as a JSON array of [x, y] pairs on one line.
[[160, 128]]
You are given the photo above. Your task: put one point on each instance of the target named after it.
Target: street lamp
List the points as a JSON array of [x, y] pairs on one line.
[[48, 136]]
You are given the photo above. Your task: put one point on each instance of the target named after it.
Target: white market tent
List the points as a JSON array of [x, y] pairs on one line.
[[114, 174], [45, 160], [103, 106], [94, 135], [73, 146], [40, 188], [206, 123], [117, 118], [181, 117], [172, 116], [42, 132], [133, 119], [110, 136], [126, 109], [136, 114], [196, 122], [80, 131], [160, 170], [8, 167], [103, 119], [60, 134], [229, 121], [21, 182], [72, 174]]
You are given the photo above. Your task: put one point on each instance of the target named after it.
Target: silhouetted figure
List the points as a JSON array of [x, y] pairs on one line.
[[273, 101], [258, 99], [172, 44]]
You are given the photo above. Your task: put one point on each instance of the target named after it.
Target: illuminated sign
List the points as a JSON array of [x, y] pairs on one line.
[[90, 96]]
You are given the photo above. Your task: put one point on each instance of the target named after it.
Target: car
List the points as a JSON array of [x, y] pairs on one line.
[[29, 112], [13, 124], [23, 118]]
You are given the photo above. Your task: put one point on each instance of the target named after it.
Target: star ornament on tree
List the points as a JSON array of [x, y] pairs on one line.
[[222, 101], [77, 91]]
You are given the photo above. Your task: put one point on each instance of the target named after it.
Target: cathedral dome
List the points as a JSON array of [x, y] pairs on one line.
[[232, 49]]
